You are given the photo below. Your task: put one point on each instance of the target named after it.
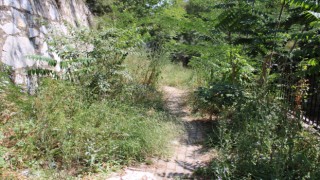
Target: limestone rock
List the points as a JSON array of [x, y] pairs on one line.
[[43, 30], [10, 28], [5, 16], [54, 14], [44, 49], [20, 78], [26, 5], [25, 25], [19, 18], [58, 28], [37, 41], [33, 32], [15, 50], [12, 3]]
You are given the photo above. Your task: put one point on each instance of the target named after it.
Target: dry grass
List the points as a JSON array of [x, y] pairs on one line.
[[175, 75]]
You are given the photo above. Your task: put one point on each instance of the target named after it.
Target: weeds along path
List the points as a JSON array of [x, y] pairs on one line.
[[187, 152]]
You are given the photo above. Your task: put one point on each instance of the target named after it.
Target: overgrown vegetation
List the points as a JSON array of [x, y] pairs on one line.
[[70, 132], [258, 138], [261, 52], [249, 61], [93, 113]]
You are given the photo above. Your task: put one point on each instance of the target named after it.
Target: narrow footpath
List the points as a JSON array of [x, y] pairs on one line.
[[188, 153]]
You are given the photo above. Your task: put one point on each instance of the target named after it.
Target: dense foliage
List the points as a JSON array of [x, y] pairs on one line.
[[103, 110], [95, 114], [259, 140], [265, 47]]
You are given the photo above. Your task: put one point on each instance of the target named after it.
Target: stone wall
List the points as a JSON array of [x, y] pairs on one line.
[[24, 26]]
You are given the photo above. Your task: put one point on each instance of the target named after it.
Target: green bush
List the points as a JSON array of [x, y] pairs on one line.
[[262, 141], [73, 133], [92, 59], [216, 98]]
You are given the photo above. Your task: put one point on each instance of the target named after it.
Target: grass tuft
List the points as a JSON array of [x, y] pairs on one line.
[[176, 75]]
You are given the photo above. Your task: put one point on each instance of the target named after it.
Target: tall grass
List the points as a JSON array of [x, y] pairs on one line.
[[145, 67], [61, 128], [72, 133], [174, 74], [15, 109], [142, 65]]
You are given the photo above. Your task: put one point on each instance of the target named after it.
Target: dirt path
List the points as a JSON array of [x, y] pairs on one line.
[[187, 151]]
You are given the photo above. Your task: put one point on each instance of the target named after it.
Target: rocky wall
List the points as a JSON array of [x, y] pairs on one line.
[[24, 26]]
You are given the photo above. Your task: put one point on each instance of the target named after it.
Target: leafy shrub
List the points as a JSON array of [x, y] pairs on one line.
[[223, 63], [92, 59], [262, 141], [73, 133], [216, 98]]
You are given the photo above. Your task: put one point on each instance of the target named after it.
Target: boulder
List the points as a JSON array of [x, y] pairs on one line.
[[15, 50], [10, 28], [26, 24], [12, 3]]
